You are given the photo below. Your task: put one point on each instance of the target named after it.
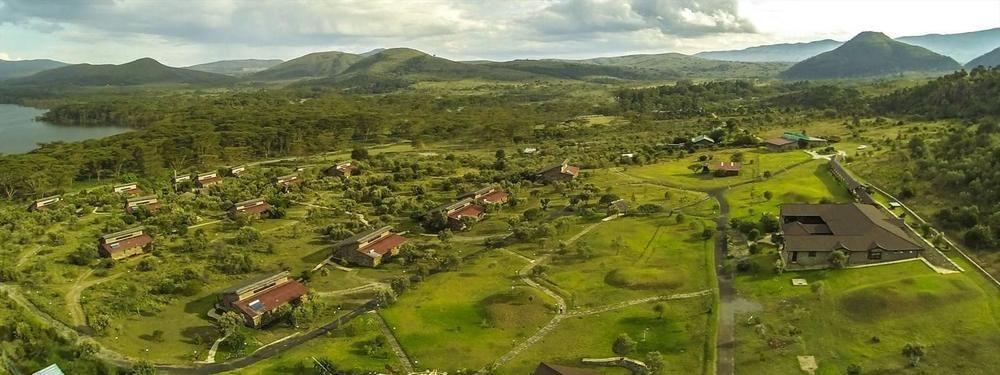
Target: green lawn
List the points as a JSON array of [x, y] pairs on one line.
[[681, 336], [755, 163], [470, 317], [807, 183], [954, 316], [657, 256], [346, 348]]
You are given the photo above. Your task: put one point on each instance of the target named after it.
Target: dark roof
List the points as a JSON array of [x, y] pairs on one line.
[[727, 166], [563, 168], [271, 299], [850, 226], [779, 141], [552, 369], [364, 236], [122, 232], [252, 281]]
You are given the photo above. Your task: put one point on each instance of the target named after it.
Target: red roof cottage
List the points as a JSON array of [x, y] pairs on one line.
[[370, 248], [44, 203], [257, 299], [488, 195], [207, 179], [726, 168], [253, 207], [120, 245], [345, 169], [150, 202], [559, 172], [130, 188]]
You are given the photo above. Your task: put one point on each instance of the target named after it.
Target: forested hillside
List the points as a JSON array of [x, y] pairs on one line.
[[963, 94]]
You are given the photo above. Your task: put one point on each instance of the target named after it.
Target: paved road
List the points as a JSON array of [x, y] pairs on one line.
[[725, 343]]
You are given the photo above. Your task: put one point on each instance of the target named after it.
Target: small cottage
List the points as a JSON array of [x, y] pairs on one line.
[[131, 188], [345, 169], [370, 248], [559, 172], [44, 203], [726, 168], [458, 212], [124, 244], [257, 299], [207, 179], [487, 195], [780, 144], [149, 202], [252, 208]]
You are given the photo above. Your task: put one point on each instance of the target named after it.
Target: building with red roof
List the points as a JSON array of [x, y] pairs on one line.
[[253, 207], [124, 244], [488, 195], [345, 169], [726, 168], [559, 172], [256, 300], [459, 212], [207, 179], [149, 202], [370, 248]]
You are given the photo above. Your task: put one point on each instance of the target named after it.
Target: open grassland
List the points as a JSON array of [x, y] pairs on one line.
[[807, 183], [634, 257], [351, 348], [836, 318], [679, 173], [681, 335], [468, 318]]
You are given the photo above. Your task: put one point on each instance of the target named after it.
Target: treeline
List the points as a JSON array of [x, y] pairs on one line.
[[187, 132], [686, 98], [973, 94]]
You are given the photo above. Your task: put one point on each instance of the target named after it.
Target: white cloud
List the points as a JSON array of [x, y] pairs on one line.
[[4, 56]]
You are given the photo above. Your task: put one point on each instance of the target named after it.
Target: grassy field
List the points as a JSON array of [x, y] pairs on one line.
[[837, 320], [678, 173], [347, 348], [807, 183], [468, 318], [680, 336], [656, 256]]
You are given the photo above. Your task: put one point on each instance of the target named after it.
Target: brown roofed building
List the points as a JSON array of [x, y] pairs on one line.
[[207, 179], [124, 244], [458, 212], [42, 204], [149, 202], [258, 298], [284, 182], [559, 172], [864, 232], [488, 195], [345, 169], [131, 188], [780, 144], [253, 207], [726, 168], [553, 369], [370, 248]]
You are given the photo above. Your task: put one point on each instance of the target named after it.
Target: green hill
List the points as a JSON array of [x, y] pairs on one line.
[[577, 70], [24, 68], [962, 47], [313, 65], [991, 58], [791, 52], [138, 72], [680, 65], [235, 67], [870, 54]]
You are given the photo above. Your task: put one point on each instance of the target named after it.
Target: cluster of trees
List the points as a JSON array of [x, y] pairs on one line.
[[686, 99], [974, 94], [29, 345]]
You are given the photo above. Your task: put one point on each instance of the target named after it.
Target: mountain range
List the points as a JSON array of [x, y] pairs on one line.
[[24, 68], [991, 58], [235, 67], [138, 72], [870, 54], [961, 47]]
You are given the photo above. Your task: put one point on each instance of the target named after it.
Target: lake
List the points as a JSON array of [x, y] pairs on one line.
[[20, 132]]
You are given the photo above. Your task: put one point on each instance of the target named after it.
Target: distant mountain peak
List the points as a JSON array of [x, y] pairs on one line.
[[870, 53]]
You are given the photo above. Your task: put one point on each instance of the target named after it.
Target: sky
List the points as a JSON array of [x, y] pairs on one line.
[[187, 32]]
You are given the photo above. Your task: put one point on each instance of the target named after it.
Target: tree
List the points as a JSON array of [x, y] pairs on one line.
[[659, 309], [838, 258], [623, 345], [753, 235], [142, 368], [679, 218], [768, 195], [247, 235], [707, 233], [359, 153], [654, 362], [229, 322], [915, 352], [445, 235], [853, 369]]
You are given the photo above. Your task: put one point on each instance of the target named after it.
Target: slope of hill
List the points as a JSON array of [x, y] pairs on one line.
[[24, 68], [870, 54], [990, 59], [961, 47], [406, 62], [689, 66], [789, 52], [313, 65], [235, 67], [138, 72], [578, 70]]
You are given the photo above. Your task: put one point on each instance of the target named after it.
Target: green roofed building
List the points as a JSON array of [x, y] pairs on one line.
[[799, 138]]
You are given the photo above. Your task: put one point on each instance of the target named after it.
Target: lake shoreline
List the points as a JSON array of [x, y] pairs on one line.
[[22, 130]]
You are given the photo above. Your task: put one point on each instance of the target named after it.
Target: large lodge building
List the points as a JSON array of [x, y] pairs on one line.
[[370, 248], [257, 299], [559, 172], [124, 244]]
